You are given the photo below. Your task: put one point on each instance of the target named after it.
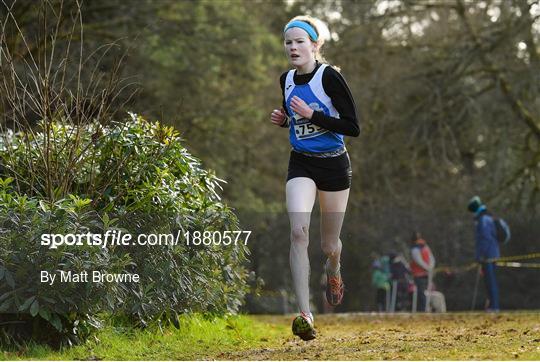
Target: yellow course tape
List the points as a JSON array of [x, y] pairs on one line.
[[516, 257], [456, 269], [507, 261], [517, 265]]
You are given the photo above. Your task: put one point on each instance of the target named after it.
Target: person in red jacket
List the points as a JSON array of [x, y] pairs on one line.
[[422, 265]]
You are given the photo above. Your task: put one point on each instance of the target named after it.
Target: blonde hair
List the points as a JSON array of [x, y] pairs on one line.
[[322, 32]]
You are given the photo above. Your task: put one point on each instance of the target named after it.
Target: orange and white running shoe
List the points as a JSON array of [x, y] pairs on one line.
[[334, 287]]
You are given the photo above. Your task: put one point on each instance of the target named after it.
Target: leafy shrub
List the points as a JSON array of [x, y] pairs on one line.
[[134, 177]]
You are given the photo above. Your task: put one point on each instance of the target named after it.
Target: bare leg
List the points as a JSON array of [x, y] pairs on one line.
[[301, 193], [333, 206]]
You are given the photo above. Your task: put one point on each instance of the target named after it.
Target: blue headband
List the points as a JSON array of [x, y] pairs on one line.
[[303, 25]]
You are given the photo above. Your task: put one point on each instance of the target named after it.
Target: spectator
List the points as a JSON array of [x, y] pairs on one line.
[[400, 277], [422, 264], [380, 280], [486, 249]]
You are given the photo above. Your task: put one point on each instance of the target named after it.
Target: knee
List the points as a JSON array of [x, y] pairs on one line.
[[300, 234], [331, 248]]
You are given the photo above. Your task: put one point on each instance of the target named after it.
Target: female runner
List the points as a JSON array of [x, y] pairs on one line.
[[319, 110]]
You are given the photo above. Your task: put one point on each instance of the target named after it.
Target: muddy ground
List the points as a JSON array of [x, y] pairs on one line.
[[461, 336]]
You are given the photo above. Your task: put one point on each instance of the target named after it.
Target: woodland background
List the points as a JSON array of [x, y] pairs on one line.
[[448, 94]]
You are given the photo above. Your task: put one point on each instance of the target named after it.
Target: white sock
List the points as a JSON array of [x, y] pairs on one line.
[[309, 316]]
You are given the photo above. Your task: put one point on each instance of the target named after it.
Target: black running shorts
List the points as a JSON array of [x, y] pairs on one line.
[[329, 174]]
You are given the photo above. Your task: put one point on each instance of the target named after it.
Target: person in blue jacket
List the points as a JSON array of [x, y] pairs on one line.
[[486, 249]]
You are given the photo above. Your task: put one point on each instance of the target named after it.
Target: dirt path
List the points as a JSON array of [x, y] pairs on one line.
[[463, 336]]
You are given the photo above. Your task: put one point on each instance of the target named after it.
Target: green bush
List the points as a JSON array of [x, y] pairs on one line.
[[134, 177]]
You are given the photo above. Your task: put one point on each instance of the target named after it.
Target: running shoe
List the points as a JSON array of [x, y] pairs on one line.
[[334, 287], [302, 326]]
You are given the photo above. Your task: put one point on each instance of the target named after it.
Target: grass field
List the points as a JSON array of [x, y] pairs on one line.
[[463, 336]]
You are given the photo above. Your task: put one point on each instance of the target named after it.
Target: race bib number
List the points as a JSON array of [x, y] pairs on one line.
[[307, 130], [304, 129]]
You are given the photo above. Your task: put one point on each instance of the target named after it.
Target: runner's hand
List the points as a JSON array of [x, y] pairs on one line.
[[300, 107], [278, 117]]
